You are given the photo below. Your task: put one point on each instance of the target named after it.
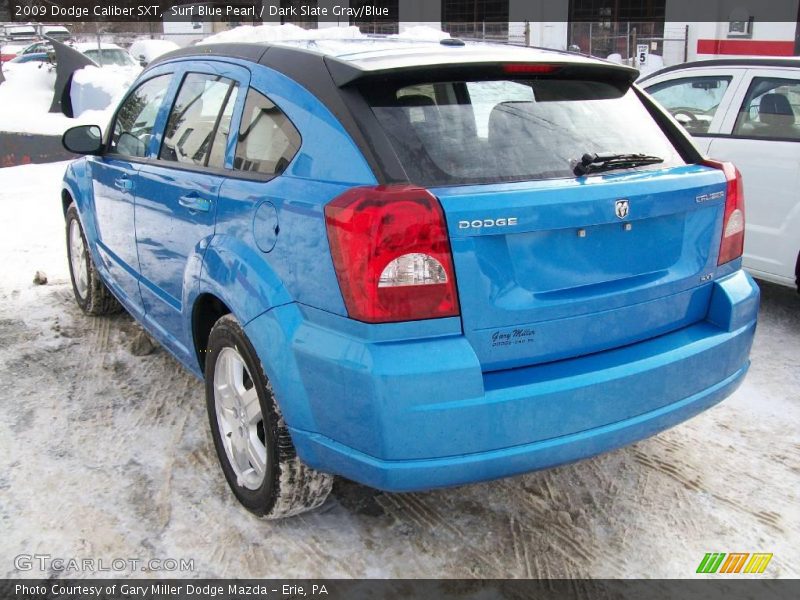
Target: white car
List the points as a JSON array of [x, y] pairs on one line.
[[107, 55], [747, 111], [19, 32], [146, 50], [57, 32]]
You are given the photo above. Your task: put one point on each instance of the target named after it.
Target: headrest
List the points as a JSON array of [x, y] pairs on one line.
[[775, 109]]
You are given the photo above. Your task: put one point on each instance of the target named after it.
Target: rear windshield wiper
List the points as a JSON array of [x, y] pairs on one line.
[[592, 163]]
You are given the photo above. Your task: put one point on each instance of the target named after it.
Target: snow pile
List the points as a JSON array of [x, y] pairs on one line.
[[149, 50], [27, 93], [27, 84], [95, 88], [280, 33], [422, 33], [25, 98]]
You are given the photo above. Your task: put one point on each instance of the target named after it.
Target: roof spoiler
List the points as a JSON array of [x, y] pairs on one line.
[[346, 73]]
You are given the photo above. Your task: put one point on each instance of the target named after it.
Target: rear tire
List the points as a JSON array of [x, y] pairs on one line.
[[91, 294], [250, 436]]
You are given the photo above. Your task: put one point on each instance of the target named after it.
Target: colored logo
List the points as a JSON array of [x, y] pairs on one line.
[[734, 562]]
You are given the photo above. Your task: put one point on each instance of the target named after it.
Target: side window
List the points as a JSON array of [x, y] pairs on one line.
[[198, 125], [770, 109], [693, 101], [220, 141], [267, 138], [133, 124]]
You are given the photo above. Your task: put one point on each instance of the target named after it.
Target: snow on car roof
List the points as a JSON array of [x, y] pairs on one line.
[[84, 46], [350, 44], [378, 53], [255, 34], [350, 54], [417, 46], [151, 49], [14, 47]]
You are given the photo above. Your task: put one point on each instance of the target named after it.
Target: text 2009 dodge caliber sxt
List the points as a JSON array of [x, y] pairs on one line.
[[412, 264]]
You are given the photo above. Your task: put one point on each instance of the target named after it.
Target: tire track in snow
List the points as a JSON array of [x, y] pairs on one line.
[[521, 549]]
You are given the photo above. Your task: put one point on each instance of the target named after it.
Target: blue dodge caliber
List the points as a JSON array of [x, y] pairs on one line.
[[412, 264]]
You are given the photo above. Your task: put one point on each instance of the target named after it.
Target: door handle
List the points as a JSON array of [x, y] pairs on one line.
[[194, 202], [123, 183]]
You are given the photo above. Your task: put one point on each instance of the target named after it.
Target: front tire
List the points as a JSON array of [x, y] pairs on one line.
[[91, 294], [252, 441]]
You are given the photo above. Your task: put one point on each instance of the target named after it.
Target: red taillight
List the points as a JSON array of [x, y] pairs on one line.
[[532, 68], [732, 244], [391, 253]]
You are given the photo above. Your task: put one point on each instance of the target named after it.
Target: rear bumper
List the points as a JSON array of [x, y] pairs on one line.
[[412, 475], [404, 415]]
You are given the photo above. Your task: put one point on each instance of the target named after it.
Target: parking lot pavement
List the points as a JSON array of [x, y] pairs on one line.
[[107, 455]]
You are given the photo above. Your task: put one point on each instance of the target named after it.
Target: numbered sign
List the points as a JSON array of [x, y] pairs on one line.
[[642, 52]]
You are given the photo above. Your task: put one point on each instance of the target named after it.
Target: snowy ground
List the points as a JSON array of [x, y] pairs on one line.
[[107, 455]]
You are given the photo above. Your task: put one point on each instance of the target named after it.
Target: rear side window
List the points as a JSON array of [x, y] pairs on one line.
[[133, 124], [493, 131], [770, 110], [197, 129], [267, 138]]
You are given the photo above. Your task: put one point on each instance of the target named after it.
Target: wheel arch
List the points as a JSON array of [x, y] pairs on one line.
[[77, 187], [207, 310], [234, 278], [66, 200]]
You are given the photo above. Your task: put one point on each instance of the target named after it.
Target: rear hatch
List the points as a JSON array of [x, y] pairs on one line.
[[570, 277], [576, 223]]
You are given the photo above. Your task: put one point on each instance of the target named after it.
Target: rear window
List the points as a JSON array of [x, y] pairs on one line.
[[110, 57], [462, 132]]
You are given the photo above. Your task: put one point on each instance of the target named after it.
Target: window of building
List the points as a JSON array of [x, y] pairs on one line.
[[476, 19]]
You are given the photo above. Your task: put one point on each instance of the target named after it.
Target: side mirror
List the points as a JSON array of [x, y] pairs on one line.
[[142, 60], [83, 139]]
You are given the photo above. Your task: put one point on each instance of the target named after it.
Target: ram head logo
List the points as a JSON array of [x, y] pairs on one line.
[[621, 208]]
